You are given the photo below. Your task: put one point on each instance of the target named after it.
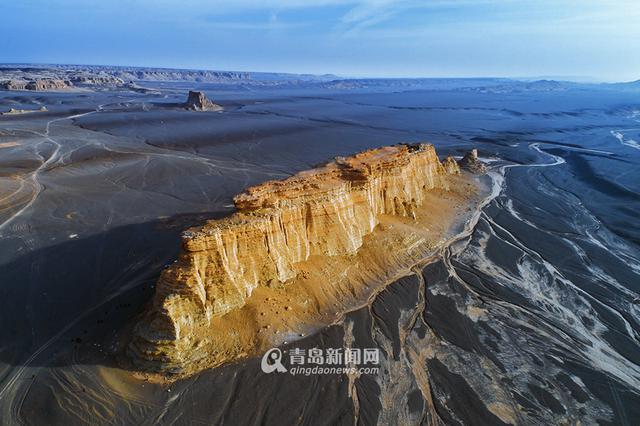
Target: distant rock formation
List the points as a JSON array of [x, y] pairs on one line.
[[198, 101], [100, 79], [14, 111], [111, 76], [36, 85], [320, 214], [471, 163], [162, 74], [49, 84], [13, 84], [140, 89]]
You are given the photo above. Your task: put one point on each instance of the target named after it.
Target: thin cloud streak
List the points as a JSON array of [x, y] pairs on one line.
[[372, 37]]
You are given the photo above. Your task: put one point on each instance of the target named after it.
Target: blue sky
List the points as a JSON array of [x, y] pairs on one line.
[[429, 38]]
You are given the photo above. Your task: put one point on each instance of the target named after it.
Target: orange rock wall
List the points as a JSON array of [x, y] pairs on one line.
[[321, 212]]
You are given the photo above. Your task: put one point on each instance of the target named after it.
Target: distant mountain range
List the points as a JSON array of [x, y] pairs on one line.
[[68, 77]]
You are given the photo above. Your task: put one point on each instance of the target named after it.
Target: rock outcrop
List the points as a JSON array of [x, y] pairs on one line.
[[319, 213], [160, 74], [36, 85], [100, 79], [198, 101], [471, 163], [140, 89], [13, 84], [48, 84], [14, 111]]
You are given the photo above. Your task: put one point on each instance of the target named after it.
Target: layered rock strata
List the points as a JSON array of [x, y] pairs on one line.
[[322, 213]]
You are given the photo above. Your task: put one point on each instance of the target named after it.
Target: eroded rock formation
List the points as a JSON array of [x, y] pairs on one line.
[[198, 101], [92, 79], [36, 85], [471, 162], [321, 213]]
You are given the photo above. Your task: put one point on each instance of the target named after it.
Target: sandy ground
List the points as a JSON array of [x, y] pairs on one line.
[[527, 317]]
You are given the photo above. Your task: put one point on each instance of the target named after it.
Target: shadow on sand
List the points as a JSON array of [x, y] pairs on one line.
[[65, 304]]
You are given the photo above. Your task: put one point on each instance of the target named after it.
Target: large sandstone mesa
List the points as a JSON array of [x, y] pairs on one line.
[[321, 213]]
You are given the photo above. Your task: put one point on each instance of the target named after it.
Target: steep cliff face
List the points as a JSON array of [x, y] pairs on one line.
[[320, 213]]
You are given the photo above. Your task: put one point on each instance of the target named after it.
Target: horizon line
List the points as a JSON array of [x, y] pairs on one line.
[[562, 78]]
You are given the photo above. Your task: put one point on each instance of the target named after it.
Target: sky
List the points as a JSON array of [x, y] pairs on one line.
[[597, 39]]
